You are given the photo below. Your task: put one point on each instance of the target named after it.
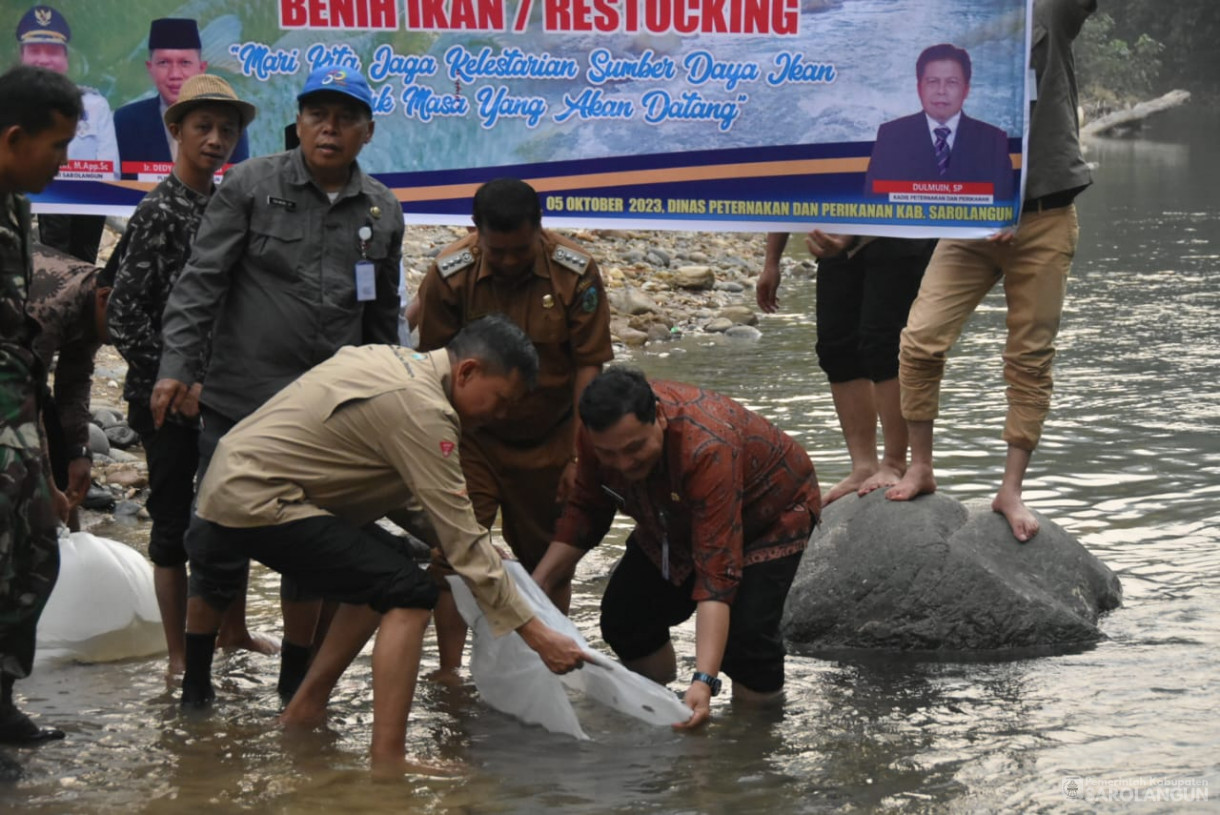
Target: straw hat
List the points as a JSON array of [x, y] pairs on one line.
[[204, 89]]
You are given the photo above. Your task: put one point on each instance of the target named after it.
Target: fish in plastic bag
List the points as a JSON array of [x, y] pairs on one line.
[[103, 606], [512, 678]]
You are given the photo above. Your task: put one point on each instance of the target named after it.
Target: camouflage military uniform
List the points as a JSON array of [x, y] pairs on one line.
[[29, 551], [151, 255], [62, 301]]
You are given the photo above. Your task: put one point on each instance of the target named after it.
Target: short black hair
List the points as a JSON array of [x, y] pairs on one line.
[[505, 205], [936, 53], [613, 394], [29, 96], [500, 345]]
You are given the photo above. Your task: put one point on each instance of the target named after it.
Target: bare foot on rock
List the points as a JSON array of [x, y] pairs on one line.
[[848, 485], [1020, 519], [887, 475], [918, 480]]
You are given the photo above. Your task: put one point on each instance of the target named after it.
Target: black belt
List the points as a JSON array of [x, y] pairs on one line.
[[1056, 200]]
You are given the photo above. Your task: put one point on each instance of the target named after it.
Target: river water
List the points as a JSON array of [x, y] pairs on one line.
[[1130, 463]]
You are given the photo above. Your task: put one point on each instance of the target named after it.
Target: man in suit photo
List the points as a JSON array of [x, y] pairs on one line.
[[174, 56], [941, 143]]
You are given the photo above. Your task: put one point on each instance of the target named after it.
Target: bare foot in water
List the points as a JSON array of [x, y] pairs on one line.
[[887, 475], [848, 485], [1022, 521], [303, 716], [258, 643], [399, 765], [450, 677], [174, 671], [918, 480]]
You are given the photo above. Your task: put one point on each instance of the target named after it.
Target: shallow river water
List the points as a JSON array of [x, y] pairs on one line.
[[1130, 463]]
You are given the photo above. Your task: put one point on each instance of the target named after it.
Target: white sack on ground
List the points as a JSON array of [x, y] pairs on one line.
[[513, 679], [103, 606]]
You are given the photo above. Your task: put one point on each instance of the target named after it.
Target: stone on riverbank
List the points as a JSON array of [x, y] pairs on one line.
[[740, 315], [937, 575], [694, 278]]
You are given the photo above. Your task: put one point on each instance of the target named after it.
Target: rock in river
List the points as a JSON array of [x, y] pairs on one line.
[[934, 574]]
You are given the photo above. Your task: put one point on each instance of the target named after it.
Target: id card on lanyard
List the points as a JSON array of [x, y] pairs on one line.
[[366, 278]]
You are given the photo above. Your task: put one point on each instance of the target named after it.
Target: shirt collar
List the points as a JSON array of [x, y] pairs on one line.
[[540, 263], [951, 124], [299, 175]]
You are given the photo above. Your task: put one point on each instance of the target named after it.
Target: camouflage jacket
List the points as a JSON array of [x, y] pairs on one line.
[[62, 303], [20, 374], [149, 258]]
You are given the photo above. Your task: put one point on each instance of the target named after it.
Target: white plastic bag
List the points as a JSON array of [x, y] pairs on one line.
[[513, 679], [103, 606]]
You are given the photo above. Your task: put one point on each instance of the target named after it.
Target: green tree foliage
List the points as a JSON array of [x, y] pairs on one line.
[[1112, 70], [1187, 31]]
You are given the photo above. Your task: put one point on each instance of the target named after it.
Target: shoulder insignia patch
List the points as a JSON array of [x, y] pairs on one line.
[[588, 303], [450, 265], [447, 448], [571, 259]]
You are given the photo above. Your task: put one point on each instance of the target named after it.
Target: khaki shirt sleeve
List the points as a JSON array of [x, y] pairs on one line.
[[420, 440], [589, 320], [440, 311]]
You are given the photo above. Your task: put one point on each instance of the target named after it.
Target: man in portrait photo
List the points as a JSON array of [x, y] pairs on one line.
[[942, 143], [174, 56]]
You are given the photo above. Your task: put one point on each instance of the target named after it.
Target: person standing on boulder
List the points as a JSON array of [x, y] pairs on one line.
[[522, 465], [724, 504], [1032, 262]]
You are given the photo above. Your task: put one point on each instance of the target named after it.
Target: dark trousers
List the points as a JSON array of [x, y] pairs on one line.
[[78, 235], [325, 556], [639, 606], [173, 457], [220, 591], [862, 307]]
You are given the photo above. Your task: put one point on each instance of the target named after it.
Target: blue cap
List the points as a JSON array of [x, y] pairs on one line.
[[347, 81], [43, 24]]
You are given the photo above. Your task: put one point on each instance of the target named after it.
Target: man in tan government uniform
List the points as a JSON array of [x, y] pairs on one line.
[[524, 464], [299, 483]]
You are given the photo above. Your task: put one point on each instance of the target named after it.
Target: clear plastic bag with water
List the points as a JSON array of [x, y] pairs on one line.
[[513, 679]]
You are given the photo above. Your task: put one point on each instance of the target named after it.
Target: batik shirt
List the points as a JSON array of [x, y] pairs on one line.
[[151, 255], [730, 490]]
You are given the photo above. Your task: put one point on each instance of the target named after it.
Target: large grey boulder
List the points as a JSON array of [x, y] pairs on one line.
[[935, 574]]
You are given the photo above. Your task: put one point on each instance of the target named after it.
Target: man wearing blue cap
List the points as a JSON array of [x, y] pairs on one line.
[[174, 56], [43, 35], [297, 255]]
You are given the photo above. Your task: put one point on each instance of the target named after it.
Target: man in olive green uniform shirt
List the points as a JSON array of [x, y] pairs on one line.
[[298, 483], [524, 465]]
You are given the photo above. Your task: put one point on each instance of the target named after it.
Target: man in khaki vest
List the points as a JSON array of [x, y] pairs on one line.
[[299, 483]]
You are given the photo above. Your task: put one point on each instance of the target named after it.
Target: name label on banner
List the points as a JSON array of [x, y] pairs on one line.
[[955, 192], [86, 170]]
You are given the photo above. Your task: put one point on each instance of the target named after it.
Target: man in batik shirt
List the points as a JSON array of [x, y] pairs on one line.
[[724, 504]]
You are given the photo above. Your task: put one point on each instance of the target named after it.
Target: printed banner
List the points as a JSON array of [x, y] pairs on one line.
[[882, 117]]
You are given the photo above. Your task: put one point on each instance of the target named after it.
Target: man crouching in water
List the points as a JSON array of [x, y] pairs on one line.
[[299, 484]]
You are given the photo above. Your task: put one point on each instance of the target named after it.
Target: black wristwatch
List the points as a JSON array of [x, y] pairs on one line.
[[707, 679], [82, 452]]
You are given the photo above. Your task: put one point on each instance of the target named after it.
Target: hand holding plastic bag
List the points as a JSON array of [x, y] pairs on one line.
[[512, 679]]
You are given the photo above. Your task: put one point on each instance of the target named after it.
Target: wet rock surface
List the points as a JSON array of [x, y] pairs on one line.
[[934, 574]]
